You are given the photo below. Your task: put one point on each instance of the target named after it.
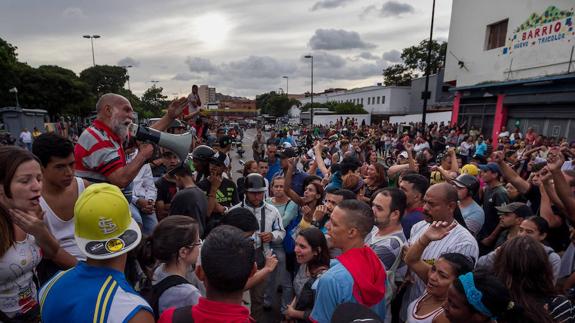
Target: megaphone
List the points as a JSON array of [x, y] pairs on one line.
[[179, 144]]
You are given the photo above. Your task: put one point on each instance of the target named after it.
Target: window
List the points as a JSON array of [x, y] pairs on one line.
[[362, 101], [378, 100], [368, 101], [383, 99], [496, 34]]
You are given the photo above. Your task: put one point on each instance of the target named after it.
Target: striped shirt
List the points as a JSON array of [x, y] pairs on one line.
[[98, 153], [89, 294], [459, 240]]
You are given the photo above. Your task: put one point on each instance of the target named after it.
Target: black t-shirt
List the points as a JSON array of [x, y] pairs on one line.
[[191, 201], [227, 194], [159, 170], [492, 197], [166, 190]]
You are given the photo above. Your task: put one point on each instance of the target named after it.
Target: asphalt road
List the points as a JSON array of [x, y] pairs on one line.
[[249, 136]]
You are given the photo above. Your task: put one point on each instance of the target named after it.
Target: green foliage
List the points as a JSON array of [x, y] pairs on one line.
[[60, 91], [152, 103], [415, 57], [275, 104], [104, 79], [397, 75]]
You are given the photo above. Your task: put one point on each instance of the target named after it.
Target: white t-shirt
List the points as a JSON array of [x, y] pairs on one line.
[[26, 137], [459, 240], [17, 288], [62, 230]]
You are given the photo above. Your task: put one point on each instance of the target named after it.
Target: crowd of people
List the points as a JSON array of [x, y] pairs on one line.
[[379, 223]]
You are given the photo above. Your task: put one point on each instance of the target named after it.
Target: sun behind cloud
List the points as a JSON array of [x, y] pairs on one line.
[[212, 29]]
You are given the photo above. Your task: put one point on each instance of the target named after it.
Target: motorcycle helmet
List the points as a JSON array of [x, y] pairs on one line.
[[202, 152], [255, 183], [471, 183]]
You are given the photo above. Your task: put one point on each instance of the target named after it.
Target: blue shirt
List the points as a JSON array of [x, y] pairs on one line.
[[297, 180], [273, 169], [481, 149], [333, 288], [89, 294], [410, 218]]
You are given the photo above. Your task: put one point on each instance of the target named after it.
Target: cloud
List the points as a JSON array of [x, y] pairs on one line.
[[71, 12], [257, 67], [329, 4], [395, 8], [330, 39], [366, 11], [200, 65], [367, 56], [393, 56], [128, 61], [183, 77]]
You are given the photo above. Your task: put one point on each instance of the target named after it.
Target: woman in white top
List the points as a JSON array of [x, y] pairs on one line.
[[175, 244], [24, 238], [438, 276]]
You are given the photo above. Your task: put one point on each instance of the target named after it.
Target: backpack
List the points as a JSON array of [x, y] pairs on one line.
[[153, 293], [390, 280]]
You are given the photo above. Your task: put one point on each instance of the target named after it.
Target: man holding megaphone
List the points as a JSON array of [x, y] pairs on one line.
[[99, 153]]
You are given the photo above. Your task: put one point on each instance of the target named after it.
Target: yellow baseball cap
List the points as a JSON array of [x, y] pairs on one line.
[[104, 227], [470, 169]]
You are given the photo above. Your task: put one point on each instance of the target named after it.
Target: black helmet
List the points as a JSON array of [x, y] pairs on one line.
[[255, 183], [469, 182], [202, 152]]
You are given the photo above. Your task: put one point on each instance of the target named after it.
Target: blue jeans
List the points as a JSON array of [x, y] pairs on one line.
[[146, 221]]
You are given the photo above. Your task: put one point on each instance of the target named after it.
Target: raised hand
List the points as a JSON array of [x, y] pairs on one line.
[[271, 262], [438, 230], [176, 107], [28, 221], [555, 161]]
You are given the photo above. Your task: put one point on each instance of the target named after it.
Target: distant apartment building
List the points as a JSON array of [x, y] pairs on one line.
[[207, 95], [512, 64]]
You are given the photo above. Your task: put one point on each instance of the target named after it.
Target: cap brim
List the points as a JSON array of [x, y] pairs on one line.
[[113, 247], [458, 184], [504, 209]]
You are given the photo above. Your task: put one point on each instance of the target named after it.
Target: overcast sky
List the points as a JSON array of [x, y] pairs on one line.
[[241, 47]]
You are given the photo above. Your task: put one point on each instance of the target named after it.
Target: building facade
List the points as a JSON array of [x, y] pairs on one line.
[[511, 64], [207, 95], [379, 101]]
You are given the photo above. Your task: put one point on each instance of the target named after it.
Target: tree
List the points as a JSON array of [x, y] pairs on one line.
[[102, 79], [56, 89], [9, 77], [397, 75], [275, 104], [415, 57], [152, 103]]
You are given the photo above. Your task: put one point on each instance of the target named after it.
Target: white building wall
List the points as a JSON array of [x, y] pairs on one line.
[[332, 118], [439, 117], [539, 56], [375, 99]]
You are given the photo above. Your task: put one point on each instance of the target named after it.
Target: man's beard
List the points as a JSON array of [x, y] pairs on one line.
[[120, 129]]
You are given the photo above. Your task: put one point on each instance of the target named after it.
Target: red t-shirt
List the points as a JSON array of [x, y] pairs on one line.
[[211, 311], [98, 153]]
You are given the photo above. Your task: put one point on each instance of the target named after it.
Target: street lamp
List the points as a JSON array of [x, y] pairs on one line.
[[154, 82], [92, 37], [126, 67], [311, 109], [287, 84], [426, 94]]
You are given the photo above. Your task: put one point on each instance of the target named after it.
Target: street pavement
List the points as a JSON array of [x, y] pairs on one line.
[[249, 136]]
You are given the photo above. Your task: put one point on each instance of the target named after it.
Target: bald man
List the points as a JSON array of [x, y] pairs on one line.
[[440, 202], [99, 153]]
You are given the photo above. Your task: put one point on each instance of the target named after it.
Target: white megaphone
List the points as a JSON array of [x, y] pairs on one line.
[[179, 144]]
